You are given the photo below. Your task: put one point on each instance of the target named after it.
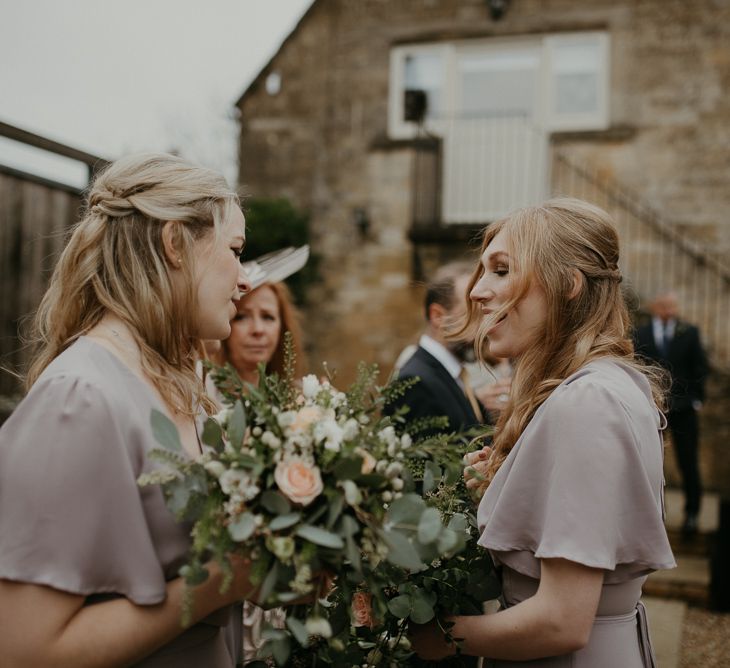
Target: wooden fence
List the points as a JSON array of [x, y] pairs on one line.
[[35, 216]]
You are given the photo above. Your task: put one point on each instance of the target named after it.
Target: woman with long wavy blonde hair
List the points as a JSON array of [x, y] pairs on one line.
[[571, 506], [88, 560]]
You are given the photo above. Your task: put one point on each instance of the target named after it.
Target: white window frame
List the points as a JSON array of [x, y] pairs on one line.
[[544, 115], [598, 120]]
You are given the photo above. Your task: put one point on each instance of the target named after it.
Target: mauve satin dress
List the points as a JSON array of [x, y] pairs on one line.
[[72, 516], [585, 483]]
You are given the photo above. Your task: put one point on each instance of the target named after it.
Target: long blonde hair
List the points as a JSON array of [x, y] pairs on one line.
[[585, 321], [115, 263]]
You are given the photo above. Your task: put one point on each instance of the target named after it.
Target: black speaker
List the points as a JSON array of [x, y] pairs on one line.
[[415, 103]]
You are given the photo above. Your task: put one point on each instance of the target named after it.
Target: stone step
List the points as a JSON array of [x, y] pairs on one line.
[[666, 620], [689, 582], [709, 517]]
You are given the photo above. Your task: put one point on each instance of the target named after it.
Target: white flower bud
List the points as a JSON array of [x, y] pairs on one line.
[[215, 468], [394, 469], [310, 386], [318, 626], [397, 484]]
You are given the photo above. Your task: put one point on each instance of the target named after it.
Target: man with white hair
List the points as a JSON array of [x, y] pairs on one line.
[[676, 345]]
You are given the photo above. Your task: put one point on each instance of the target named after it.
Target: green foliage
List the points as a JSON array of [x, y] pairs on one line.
[[272, 224], [391, 519]]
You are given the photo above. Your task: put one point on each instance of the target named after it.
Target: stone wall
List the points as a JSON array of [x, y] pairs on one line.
[[322, 141]]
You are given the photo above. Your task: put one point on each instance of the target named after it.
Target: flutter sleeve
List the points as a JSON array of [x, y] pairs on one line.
[[584, 483], [71, 514]]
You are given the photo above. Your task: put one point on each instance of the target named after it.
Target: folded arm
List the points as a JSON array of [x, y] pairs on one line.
[[47, 627], [557, 620]]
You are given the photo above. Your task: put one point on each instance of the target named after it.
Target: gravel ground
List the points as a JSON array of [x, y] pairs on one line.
[[705, 639]]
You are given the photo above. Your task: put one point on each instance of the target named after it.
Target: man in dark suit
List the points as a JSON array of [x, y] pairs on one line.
[[676, 345], [444, 388]]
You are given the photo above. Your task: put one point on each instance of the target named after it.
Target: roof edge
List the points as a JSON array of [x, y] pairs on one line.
[[257, 79]]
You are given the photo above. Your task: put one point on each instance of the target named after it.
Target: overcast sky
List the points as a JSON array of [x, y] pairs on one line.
[[112, 77]]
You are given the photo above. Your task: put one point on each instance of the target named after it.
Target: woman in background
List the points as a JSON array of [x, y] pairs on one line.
[[573, 511], [263, 317], [258, 329]]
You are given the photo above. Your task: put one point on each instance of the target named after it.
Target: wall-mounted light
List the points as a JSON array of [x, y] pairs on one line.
[[497, 8], [361, 221]]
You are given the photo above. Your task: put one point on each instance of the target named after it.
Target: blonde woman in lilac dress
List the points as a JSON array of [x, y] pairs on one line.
[[571, 491], [89, 560]]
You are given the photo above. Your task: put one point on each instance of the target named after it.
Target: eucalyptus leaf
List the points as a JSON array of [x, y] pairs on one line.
[[430, 526], [400, 606], [337, 503], [243, 527], [275, 502], [298, 630], [347, 469], [353, 553], [271, 633], [422, 603], [212, 434], [349, 526], [267, 585], [320, 536], [280, 649], [431, 476], [284, 521], [458, 522], [401, 551], [165, 431], [447, 541], [406, 510], [237, 425]]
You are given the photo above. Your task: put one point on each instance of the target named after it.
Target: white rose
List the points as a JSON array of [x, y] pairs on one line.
[[286, 418], [235, 482], [310, 386], [329, 432], [388, 436], [406, 441], [350, 429]]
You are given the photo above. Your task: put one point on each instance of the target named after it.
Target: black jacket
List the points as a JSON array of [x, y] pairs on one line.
[[436, 394], [685, 360]]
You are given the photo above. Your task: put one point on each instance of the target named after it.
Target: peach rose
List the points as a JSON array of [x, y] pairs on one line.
[[305, 418], [362, 609], [368, 461], [300, 482]]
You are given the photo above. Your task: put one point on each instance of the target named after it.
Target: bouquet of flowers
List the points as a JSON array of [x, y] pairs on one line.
[[306, 479]]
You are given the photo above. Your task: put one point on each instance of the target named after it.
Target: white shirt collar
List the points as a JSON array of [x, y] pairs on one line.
[[442, 354], [658, 326]]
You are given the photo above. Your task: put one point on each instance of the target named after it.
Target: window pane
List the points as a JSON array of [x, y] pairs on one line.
[[576, 67], [425, 71], [497, 84]]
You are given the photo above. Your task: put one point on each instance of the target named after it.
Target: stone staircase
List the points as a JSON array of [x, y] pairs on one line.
[[667, 594]]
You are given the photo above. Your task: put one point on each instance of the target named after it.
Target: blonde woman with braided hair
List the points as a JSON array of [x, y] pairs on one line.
[[571, 490], [88, 560]]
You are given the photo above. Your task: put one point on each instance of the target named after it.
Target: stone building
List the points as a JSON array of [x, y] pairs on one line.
[[622, 102]]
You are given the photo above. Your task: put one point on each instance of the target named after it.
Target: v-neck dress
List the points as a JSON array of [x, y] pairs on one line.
[[72, 516]]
